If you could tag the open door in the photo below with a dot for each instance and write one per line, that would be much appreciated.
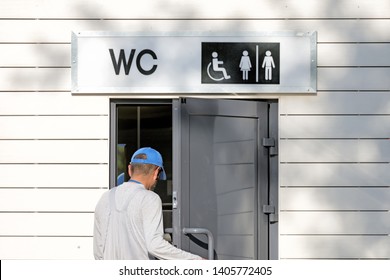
(221, 178)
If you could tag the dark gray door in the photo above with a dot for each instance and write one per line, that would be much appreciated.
(220, 180)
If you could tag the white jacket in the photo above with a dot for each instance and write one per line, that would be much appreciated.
(130, 227)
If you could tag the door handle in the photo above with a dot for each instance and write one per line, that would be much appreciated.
(210, 238)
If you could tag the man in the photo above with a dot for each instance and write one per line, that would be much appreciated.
(128, 218)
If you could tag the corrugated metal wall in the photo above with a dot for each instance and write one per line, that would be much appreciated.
(334, 146)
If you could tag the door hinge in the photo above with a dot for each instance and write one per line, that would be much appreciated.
(271, 211)
(271, 144)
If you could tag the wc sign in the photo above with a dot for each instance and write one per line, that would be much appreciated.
(187, 64)
(241, 63)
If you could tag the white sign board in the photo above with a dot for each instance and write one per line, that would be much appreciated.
(255, 63)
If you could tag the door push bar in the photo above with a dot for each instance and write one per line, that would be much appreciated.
(205, 231)
(209, 237)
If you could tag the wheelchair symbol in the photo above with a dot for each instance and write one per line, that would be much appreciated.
(216, 68)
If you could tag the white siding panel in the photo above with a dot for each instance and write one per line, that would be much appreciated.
(311, 175)
(353, 79)
(343, 247)
(54, 127)
(46, 224)
(35, 55)
(194, 9)
(54, 151)
(335, 127)
(59, 31)
(53, 176)
(314, 150)
(353, 55)
(336, 103)
(51, 103)
(57, 248)
(328, 199)
(35, 79)
(49, 200)
(335, 223)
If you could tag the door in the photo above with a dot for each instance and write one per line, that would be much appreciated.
(220, 177)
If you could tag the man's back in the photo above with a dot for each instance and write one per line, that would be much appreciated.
(128, 225)
(121, 212)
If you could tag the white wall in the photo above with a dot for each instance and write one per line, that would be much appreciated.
(334, 148)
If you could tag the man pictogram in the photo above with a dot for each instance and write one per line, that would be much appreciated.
(268, 63)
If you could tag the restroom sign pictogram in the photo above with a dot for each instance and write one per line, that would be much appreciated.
(240, 63)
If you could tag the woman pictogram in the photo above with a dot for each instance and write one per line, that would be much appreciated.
(245, 65)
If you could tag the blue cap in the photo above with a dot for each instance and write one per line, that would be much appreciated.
(152, 157)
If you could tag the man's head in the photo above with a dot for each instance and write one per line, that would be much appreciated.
(147, 163)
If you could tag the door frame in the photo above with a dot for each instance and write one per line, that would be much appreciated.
(273, 184)
(272, 170)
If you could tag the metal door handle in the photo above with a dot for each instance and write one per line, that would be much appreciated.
(209, 237)
(209, 234)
